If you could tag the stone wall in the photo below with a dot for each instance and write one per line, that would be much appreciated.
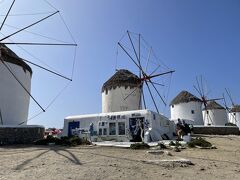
(217, 130)
(20, 135)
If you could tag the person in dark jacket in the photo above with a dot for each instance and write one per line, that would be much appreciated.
(186, 128)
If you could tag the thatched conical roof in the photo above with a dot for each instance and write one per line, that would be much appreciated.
(211, 105)
(9, 56)
(235, 108)
(184, 97)
(122, 78)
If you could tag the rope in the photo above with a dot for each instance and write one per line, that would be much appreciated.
(148, 58)
(74, 61)
(20, 83)
(73, 65)
(152, 60)
(154, 54)
(117, 51)
(28, 14)
(29, 26)
(141, 43)
(56, 97)
(148, 48)
(7, 14)
(30, 54)
(64, 22)
(159, 64)
(116, 63)
(49, 105)
(50, 5)
(32, 117)
(160, 61)
(37, 34)
(123, 36)
(131, 32)
(67, 28)
(70, 33)
(168, 92)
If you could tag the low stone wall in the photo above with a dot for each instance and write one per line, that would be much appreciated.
(20, 135)
(216, 130)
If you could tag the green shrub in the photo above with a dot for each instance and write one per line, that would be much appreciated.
(162, 146)
(139, 146)
(64, 141)
(177, 144)
(230, 124)
(41, 142)
(50, 137)
(172, 143)
(199, 142)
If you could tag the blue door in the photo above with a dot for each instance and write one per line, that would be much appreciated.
(72, 125)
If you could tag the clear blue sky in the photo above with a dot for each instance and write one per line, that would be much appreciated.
(194, 37)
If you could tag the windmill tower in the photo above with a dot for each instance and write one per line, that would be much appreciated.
(234, 115)
(14, 99)
(16, 72)
(119, 86)
(213, 113)
(233, 111)
(125, 90)
(186, 106)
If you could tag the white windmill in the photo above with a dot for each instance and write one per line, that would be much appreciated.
(16, 72)
(125, 90)
(213, 112)
(186, 106)
(233, 111)
(16, 75)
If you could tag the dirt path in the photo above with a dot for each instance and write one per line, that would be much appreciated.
(52, 162)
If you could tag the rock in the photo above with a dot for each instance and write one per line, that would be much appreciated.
(176, 149)
(162, 146)
(168, 153)
(156, 152)
(237, 170)
(183, 165)
(176, 161)
(213, 147)
(156, 148)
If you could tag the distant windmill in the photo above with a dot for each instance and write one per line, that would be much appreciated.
(234, 110)
(209, 105)
(146, 79)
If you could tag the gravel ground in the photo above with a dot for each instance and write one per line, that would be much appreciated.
(94, 162)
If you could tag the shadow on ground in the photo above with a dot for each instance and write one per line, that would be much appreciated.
(61, 151)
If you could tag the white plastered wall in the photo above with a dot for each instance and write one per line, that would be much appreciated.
(114, 100)
(215, 117)
(14, 100)
(234, 117)
(189, 111)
